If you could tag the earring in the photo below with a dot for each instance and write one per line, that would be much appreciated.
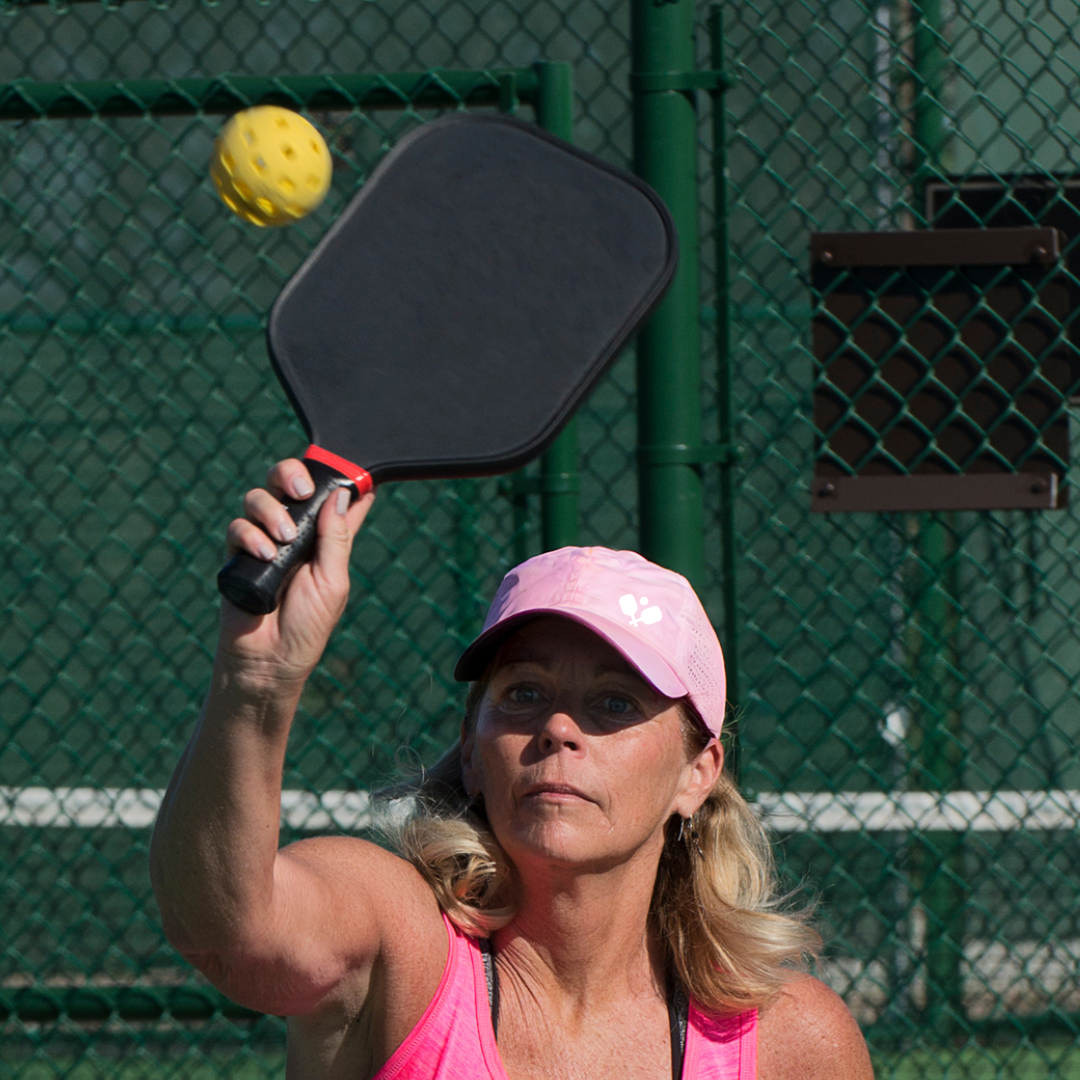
(693, 839)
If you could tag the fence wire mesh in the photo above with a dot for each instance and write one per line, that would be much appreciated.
(909, 681)
(896, 664)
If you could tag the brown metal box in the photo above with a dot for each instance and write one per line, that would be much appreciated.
(943, 370)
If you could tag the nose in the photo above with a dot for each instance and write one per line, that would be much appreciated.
(559, 732)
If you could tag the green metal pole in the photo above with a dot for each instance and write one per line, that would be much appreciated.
(466, 559)
(940, 863)
(724, 398)
(669, 348)
(929, 60)
(559, 479)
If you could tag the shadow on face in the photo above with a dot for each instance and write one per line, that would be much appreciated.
(576, 755)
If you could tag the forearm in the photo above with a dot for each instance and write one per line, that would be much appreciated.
(216, 838)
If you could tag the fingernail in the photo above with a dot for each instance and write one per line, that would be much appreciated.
(303, 488)
(287, 530)
(342, 501)
(266, 551)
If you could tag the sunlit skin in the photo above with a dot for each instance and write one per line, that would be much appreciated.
(580, 761)
(581, 765)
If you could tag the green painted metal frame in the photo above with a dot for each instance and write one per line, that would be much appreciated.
(937, 858)
(548, 87)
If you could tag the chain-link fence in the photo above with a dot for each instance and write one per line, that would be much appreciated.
(907, 683)
(911, 679)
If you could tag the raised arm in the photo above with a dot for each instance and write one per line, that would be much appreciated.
(277, 931)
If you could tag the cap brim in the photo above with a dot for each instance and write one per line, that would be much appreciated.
(651, 665)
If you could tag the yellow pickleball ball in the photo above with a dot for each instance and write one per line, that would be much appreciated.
(270, 166)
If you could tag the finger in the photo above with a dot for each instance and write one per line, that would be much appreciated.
(263, 509)
(290, 477)
(242, 535)
(337, 525)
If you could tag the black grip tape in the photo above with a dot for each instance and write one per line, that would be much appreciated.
(255, 585)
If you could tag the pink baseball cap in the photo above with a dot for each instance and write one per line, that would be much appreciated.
(652, 616)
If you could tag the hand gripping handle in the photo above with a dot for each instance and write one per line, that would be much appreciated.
(254, 585)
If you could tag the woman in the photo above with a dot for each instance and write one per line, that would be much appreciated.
(585, 894)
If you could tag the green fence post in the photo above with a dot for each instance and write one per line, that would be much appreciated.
(559, 479)
(939, 857)
(928, 68)
(668, 351)
(723, 394)
(466, 559)
(939, 864)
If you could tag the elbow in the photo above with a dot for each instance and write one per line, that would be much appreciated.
(202, 932)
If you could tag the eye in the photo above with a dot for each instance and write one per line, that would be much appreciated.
(524, 695)
(618, 705)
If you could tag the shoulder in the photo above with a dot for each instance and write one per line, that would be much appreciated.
(807, 1033)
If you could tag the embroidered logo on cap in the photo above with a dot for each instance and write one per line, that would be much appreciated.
(649, 615)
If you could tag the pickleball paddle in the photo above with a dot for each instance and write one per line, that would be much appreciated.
(456, 314)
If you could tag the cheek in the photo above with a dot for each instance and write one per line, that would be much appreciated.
(495, 761)
(642, 781)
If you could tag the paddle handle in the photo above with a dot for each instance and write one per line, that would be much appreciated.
(254, 585)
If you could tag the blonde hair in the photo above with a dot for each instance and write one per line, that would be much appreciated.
(715, 904)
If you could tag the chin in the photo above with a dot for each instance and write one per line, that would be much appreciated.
(561, 844)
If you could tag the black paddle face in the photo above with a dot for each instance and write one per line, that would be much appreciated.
(467, 300)
(456, 314)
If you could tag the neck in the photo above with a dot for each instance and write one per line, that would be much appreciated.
(585, 934)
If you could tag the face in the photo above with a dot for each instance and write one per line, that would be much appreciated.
(579, 760)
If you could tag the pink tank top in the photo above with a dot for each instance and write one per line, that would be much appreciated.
(454, 1041)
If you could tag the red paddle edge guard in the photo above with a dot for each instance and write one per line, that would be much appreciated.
(255, 585)
(359, 476)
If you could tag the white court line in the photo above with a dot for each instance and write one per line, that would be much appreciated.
(955, 811)
(350, 811)
(136, 808)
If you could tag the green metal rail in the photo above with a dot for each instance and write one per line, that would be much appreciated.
(26, 100)
(91, 1004)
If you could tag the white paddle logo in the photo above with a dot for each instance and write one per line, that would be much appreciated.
(629, 605)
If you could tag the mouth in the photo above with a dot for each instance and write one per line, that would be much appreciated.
(556, 793)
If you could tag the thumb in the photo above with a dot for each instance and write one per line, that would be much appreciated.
(335, 537)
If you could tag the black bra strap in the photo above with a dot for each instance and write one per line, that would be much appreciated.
(488, 956)
(679, 1019)
(678, 1007)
